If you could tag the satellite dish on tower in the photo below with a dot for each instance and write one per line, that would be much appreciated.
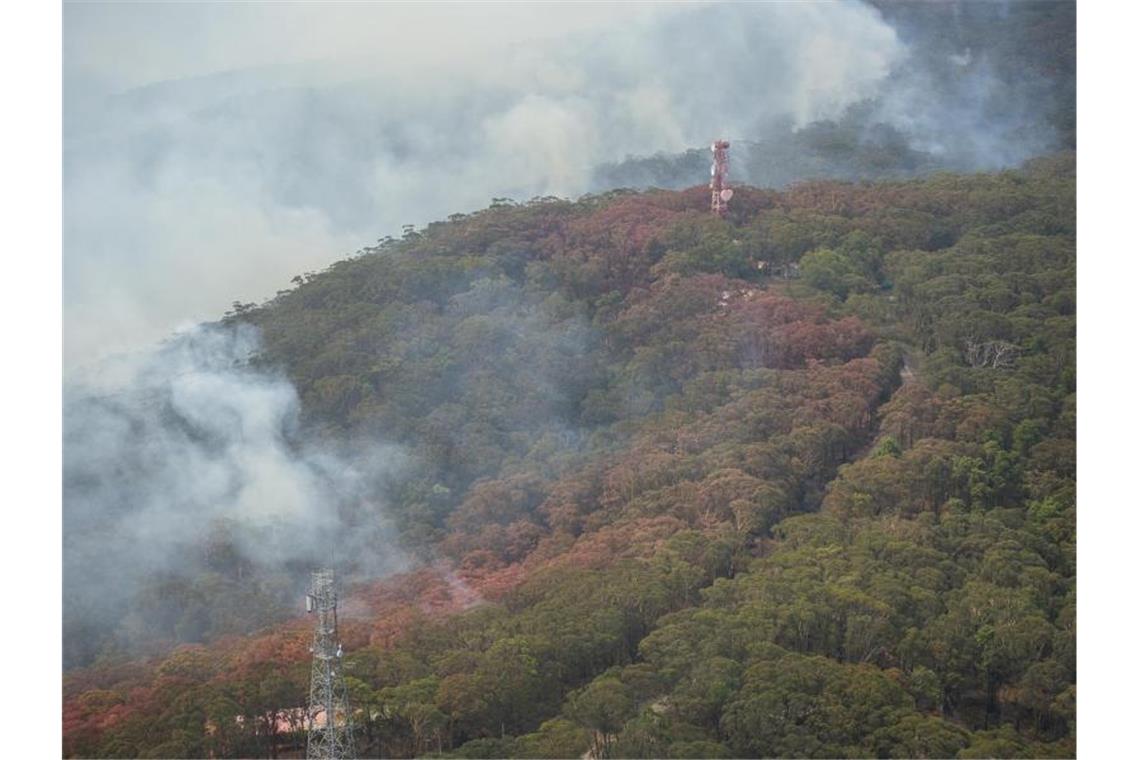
(726, 194)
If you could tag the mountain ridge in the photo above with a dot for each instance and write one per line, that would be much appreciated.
(654, 492)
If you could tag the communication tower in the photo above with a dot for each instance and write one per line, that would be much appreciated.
(721, 192)
(329, 719)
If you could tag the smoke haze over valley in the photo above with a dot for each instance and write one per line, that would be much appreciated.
(200, 170)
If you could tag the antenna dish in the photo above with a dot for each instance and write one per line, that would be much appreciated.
(712, 170)
(726, 194)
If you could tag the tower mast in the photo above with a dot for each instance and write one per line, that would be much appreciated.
(329, 718)
(721, 192)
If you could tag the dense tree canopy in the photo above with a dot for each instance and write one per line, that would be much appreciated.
(671, 502)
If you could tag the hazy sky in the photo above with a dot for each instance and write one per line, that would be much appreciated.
(130, 44)
(212, 151)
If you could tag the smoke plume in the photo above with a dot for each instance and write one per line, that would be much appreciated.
(187, 462)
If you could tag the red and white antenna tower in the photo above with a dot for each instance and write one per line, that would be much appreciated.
(721, 192)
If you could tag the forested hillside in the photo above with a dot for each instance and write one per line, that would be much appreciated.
(798, 482)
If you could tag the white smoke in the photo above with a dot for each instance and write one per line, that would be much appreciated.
(163, 447)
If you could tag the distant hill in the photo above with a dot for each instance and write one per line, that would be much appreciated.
(986, 85)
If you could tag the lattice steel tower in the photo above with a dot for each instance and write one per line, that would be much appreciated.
(721, 192)
(329, 719)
